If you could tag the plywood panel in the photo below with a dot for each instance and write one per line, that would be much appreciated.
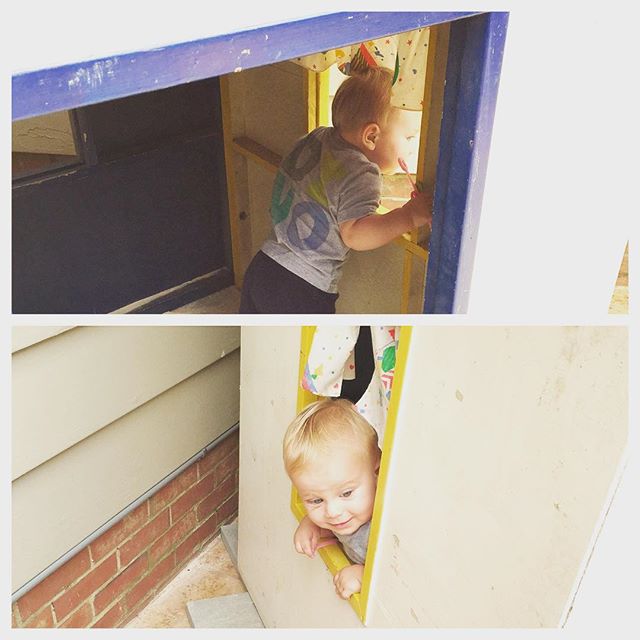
(65, 499)
(274, 109)
(507, 443)
(372, 281)
(289, 590)
(68, 387)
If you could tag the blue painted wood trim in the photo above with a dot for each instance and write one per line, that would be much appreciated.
(476, 47)
(87, 82)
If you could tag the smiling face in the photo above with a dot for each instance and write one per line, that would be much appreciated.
(338, 491)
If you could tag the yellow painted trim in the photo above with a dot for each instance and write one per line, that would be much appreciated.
(306, 340)
(255, 151)
(407, 270)
(412, 247)
(322, 99)
(404, 340)
(311, 99)
(407, 240)
(234, 230)
(332, 556)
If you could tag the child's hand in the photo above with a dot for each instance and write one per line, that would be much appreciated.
(348, 580)
(307, 537)
(420, 208)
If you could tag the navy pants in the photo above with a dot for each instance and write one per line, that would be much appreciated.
(270, 288)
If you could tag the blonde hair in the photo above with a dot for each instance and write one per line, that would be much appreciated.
(363, 98)
(317, 428)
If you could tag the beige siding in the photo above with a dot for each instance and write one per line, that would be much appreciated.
(23, 337)
(289, 590)
(87, 378)
(116, 409)
(508, 442)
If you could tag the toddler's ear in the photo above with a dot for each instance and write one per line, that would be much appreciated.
(370, 134)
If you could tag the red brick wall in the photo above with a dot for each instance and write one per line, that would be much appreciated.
(115, 576)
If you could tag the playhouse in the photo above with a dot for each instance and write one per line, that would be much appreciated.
(157, 166)
(501, 447)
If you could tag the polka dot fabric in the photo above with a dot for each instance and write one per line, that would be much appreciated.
(404, 53)
(331, 360)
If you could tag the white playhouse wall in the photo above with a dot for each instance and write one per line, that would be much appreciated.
(289, 590)
(507, 443)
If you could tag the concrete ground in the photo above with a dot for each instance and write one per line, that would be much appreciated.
(210, 574)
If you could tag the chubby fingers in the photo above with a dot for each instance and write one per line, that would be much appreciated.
(341, 588)
(307, 547)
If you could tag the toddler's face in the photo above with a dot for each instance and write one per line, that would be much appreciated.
(395, 141)
(338, 491)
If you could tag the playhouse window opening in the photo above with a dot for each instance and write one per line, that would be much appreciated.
(354, 389)
(376, 356)
(396, 189)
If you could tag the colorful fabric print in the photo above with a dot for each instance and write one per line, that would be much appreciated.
(405, 54)
(331, 360)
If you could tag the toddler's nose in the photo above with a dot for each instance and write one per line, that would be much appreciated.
(332, 510)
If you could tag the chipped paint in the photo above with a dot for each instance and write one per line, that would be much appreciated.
(94, 75)
(245, 52)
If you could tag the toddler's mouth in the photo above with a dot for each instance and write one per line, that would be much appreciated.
(341, 525)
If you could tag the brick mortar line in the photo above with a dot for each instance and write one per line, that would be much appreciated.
(50, 601)
(231, 432)
(176, 570)
(116, 550)
(81, 604)
(130, 614)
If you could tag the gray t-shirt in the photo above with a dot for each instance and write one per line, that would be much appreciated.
(323, 182)
(355, 544)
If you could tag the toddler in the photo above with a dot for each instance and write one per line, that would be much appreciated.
(332, 457)
(324, 200)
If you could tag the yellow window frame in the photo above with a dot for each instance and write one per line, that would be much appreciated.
(333, 557)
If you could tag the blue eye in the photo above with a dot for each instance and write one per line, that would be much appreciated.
(315, 501)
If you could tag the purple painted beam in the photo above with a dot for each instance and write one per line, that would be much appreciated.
(88, 82)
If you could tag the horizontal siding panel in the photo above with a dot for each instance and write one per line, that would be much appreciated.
(59, 503)
(23, 337)
(71, 386)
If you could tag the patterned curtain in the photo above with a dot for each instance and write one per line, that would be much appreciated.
(405, 54)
